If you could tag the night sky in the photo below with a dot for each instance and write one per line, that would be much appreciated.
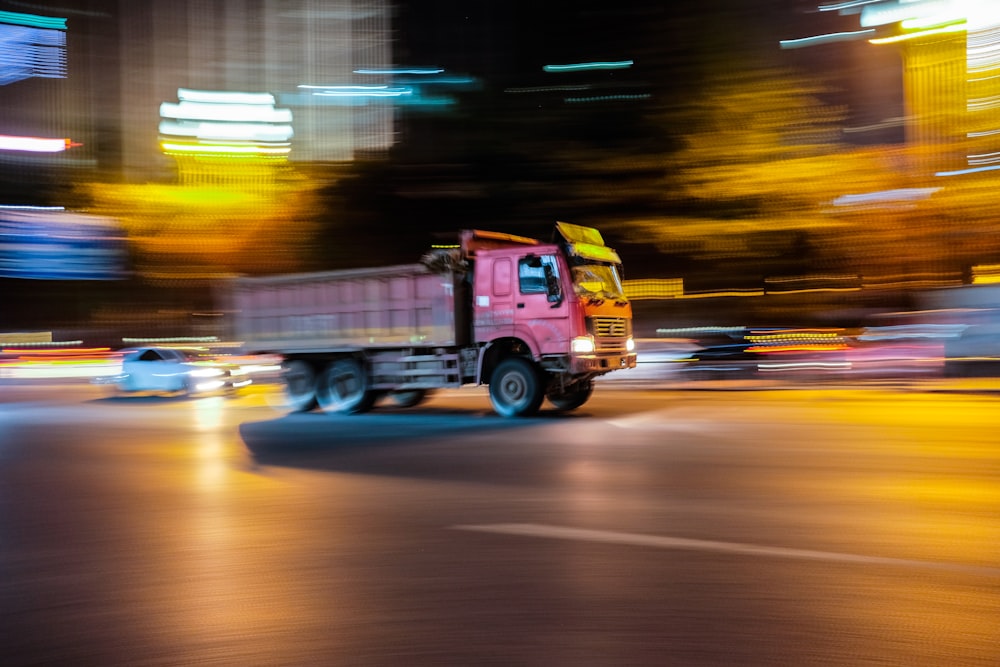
(484, 148)
(507, 43)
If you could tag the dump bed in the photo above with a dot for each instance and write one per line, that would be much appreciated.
(406, 305)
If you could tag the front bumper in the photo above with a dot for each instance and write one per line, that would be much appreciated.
(594, 364)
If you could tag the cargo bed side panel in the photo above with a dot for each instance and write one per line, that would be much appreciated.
(365, 308)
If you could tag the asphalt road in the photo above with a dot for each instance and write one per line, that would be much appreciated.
(654, 526)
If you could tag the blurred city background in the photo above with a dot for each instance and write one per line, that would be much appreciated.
(801, 468)
(778, 163)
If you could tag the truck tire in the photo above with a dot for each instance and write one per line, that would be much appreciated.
(408, 398)
(515, 388)
(576, 396)
(300, 385)
(342, 387)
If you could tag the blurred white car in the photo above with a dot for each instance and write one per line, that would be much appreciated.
(169, 370)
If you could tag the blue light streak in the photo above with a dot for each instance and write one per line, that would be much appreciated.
(33, 21)
(973, 170)
(577, 67)
(392, 71)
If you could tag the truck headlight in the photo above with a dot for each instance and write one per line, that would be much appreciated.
(630, 344)
(582, 345)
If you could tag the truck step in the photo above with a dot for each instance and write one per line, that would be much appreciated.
(411, 372)
(429, 357)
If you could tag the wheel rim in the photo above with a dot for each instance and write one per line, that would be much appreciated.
(342, 387)
(513, 388)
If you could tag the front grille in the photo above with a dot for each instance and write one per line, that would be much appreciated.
(610, 327)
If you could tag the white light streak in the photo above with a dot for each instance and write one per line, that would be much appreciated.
(220, 130)
(391, 71)
(224, 97)
(805, 365)
(846, 5)
(713, 546)
(358, 90)
(803, 42)
(985, 158)
(883, 14)
(901, 194)
(227, 112)
(32, 144)
(398, 92)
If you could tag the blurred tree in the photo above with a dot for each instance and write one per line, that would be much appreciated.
(187, 232)
(750, 192)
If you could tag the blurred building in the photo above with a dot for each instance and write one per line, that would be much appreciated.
(294, 50)
(49, 114)
(91, 76)
(950, 59)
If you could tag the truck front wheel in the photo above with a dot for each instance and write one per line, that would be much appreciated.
(574, 397)
(515, 388)
(300, 385)
(343, 387)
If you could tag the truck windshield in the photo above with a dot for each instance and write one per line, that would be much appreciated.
(598, 281)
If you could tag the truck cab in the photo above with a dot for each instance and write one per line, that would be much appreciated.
(550, 317)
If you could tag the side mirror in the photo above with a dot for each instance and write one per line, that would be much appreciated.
(552, 287)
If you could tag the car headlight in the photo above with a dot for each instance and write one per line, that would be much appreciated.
(209, 385)
(582, 345)
(206, 372)
(630, 344)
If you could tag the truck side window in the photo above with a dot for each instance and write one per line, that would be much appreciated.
(531, 273)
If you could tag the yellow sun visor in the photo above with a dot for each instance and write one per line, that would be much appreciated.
(587, 242)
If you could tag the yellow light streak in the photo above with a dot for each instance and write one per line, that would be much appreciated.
(708, 295)
(209, 148)
(921, 22)
(958, 27)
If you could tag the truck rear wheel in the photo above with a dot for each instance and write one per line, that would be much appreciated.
(300, 385)
(515, 388)
(576, 396)
(343, 387)
(408, 398)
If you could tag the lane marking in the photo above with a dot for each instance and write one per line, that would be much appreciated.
(663, 542)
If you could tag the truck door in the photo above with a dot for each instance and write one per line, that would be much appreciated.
(541, 309)
(493, 304)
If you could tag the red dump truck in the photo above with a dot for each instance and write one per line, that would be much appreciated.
(531, 319)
